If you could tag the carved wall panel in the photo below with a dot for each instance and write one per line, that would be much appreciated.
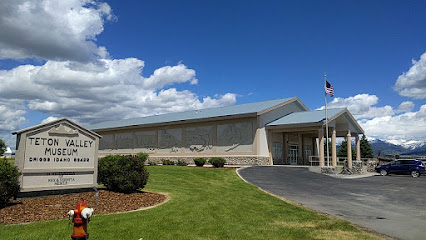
(145, 141)
(106, 142)
(235, 137)
(123, 140)
(170, 140)
(199, 139)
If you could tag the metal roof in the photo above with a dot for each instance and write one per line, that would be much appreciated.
(306, 117)
(248, 108)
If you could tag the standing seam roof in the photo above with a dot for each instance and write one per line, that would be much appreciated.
(192, 115)
(306, 117)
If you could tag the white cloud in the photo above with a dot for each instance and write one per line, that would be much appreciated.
(406, 106)
(413, 83)
(409, 125)
(49, 119)
(168, 75)
(11, 115)
(102, 90)
(362, 106)
(51, 29)
(385, 123)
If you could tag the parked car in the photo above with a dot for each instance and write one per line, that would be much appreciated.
(402, 166)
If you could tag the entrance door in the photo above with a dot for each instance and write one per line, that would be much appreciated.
(293, 154)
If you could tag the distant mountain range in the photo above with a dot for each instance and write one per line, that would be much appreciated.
(395, 147)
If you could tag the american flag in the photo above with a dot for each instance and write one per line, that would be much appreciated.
(329, 89)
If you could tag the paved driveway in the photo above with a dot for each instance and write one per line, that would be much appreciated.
(393, 205)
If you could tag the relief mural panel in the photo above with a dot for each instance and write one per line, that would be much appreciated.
(199, 139)
(123, 140)
(170, 140)
(145, 141)
(106, 142)
(235, 137)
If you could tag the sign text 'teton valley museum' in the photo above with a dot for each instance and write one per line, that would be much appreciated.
(57, 155)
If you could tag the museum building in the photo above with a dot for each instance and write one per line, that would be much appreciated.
(281, 131)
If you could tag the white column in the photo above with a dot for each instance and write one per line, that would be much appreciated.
(333, 149)
(321, 147)
(349, 145)
(358, 148)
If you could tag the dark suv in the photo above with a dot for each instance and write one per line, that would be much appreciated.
(402, 166)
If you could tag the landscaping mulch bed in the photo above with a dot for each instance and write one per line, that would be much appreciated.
(57, 207)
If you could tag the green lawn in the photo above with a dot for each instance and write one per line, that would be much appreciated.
(11, 161)
(204, 204)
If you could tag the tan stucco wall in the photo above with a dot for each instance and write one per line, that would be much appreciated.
(269, 117)
(235, 137)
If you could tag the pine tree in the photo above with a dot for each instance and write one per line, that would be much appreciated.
(2, 147)
(343, 150)
(366, 149)
(329, 148)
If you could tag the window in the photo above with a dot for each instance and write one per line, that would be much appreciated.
(277, 150)
(308, 151)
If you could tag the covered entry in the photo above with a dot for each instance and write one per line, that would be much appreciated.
(300, 136)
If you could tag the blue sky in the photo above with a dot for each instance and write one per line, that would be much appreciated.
(95, 61)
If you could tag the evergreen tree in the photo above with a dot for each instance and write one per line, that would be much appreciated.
(343, 150)
(2, 147)
(366, 149)
(325, 148)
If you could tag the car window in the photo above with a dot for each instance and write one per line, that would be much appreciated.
(395, 162)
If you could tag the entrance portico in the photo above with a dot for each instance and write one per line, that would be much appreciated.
(301, 135)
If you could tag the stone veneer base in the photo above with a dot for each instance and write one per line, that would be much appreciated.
(230, 160)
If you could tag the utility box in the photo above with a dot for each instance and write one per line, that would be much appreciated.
(59, 155)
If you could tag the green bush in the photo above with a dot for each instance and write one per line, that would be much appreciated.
(124, 174)
(217, 162)
(9, 182)
(199, 161)
(181, 163)
(167, 162)
(152, 163)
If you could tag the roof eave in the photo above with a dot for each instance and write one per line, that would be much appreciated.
(354, 121)
(294, 99)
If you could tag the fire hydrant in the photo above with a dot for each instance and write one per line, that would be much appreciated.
(80, 217)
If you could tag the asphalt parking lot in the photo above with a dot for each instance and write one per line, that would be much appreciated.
(393, 205)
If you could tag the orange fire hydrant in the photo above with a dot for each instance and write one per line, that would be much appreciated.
(80, 217)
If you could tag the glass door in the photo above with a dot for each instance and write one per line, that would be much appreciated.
(293, 154)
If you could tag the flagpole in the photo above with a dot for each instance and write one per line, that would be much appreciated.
(326, 120)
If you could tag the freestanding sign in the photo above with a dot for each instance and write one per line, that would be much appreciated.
(57, 155)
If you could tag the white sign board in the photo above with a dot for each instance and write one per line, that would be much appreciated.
(57, 155)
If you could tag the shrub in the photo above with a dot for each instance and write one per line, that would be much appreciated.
(181, 163)
(167, 162)
(217, 162)
(124, 174)
(9, 182)
(199, 161)
(152, 163)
